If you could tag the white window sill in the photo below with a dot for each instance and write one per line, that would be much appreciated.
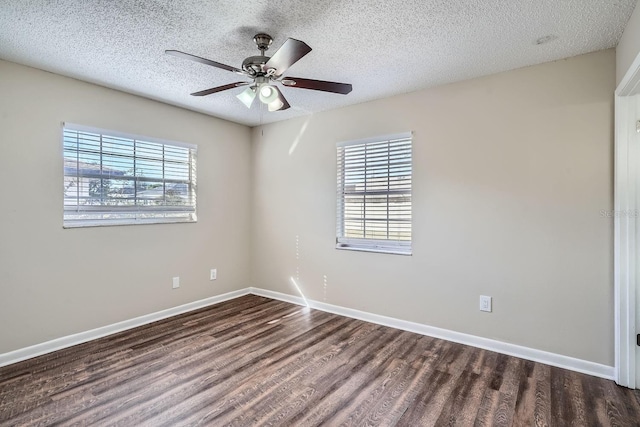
(379, 250)
(85, 224)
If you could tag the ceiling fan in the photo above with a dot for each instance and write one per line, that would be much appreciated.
(265, 71)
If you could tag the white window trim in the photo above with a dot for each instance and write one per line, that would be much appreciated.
(133, 209)
(394, 247)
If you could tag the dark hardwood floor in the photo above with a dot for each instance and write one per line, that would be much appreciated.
(255, 361)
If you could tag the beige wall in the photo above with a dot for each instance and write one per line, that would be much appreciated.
(629, 45)
(55, 282)
(511, 173)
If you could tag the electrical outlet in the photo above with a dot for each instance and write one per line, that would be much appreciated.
(213, 275)
(176, 282)
(485, 303)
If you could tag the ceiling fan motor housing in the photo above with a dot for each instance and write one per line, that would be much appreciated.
(254, 65)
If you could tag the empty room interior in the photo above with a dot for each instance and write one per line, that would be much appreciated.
(332, 213)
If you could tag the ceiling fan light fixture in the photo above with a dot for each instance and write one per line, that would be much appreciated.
(247, 96)
(275, 105)
(267, 94)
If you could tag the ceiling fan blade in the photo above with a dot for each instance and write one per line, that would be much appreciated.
(280, 103)
(342, 88)
(203, 61)
(219, 88)
(288, 54)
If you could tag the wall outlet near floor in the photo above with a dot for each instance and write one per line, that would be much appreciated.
(213, 275)
(176, 282)
(485, 303)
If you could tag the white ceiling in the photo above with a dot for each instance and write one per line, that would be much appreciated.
(382, 47)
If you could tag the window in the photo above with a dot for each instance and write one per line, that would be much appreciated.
(374, 195)
(111, 179)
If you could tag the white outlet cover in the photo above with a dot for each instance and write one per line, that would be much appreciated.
(214, 274)
(176, 282)
(485, 303)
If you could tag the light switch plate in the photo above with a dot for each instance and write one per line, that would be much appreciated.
(485, 303)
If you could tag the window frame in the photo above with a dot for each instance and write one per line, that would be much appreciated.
(139, 214)
(388, 246)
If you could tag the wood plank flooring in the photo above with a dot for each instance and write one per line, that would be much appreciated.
(254, 361)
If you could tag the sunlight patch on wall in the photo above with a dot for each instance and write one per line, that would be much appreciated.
(300, 134)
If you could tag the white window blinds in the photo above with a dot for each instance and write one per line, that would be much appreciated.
(111, 178)
(374, 194)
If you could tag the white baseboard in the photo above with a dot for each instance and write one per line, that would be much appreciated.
(79, 338)
(553, 359)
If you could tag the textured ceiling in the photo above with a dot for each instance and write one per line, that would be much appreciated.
(382, 47)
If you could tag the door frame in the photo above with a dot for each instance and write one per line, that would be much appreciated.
(627, 206)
